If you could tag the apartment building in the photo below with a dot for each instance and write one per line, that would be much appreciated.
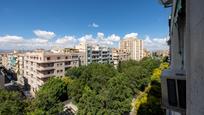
(119, 55)
(20, 68)
(4, 58)
(39, 66)
(71, 50)
(183, 83)
(95, 53)
(12, 61)
(134, 46)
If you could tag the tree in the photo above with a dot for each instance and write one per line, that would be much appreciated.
(153, 104)
(89, 102)
(75, 72)
(138, 77)
(118, 96)
(96, 75)
(11, 102)
(101, 89)
(126, 64)
(49, 97)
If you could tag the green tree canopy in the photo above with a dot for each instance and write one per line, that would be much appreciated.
(11, 102)
(48, 98)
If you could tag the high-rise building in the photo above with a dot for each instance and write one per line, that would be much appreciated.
(39, 66)
(95, 53)
(134, 46)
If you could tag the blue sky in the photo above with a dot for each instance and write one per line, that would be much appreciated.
(78, 18)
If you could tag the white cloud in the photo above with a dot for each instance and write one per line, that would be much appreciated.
(134, 35)
(66, 41)
(39, 41)
(94, 25)
(100, 39)
(11, 39)
(88, 39)
(100, 35)
(114, 38)
(18, 42)
(44, 34)
(44, 41)
(156, 43)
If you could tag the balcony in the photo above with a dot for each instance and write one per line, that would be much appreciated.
(173, 84)
(42, 76)
(40, 68)
(70, 65)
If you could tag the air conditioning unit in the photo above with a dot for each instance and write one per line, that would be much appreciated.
(173, 84)
(167, 3)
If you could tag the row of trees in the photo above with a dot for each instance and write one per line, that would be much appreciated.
(149, 102)
(102, 89)
(95, 89)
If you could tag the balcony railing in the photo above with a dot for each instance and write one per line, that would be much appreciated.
(40, 75)
(173, 84)
(41, 68)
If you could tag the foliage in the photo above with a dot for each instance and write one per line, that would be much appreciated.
(138, 72)
(152, 95)
(75, 72)
(48, 98)
(10, 102)
(119, 95)
(101, 89)
(96, 89)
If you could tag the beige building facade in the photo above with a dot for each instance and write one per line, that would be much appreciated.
(134, 46)
(39, 66)
(4, 59)
(120, 55)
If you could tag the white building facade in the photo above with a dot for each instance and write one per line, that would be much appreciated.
(134, 46)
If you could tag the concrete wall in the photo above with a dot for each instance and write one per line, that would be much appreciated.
(195, 57)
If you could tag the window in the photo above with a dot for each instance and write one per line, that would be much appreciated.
(171, 85)
(58, 58)
(182, 93)
(67, 63)
(48, 58)
(66, 57)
